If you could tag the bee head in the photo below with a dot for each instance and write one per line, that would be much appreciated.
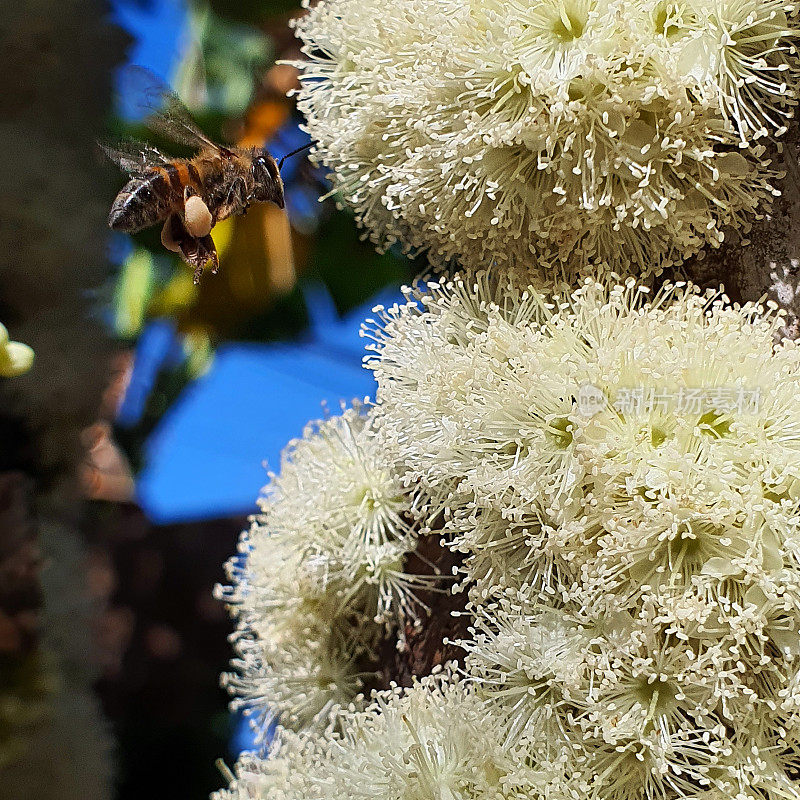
(267, 183)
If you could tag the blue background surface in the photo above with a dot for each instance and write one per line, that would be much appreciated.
(207, 456)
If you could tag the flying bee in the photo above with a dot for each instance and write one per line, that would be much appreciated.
(188, 195)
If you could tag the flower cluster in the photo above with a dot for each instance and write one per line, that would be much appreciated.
(478, 396)
(633, 575)
(432, 741)
(321, 575)
(625, 132)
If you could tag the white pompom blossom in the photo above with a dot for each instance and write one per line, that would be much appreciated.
(625, 132)
(322, 575)
(623, 475)
(431, 742)
(693, 427)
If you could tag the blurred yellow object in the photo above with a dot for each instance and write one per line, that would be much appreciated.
(179, 294)
(257, 263)
(255, 252)
(16, 358)
(199, 352)
(133, 292)
(261, 258)
(222, 235)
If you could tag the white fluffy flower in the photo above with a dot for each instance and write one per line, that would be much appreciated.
(344, 513)
(434, 741)
(689, 463)
(321, 575)
(551, 132)
(622, 472)
(272, 775)
(644, 713)
(300, 656)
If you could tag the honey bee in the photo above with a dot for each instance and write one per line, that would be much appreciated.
(188, 195)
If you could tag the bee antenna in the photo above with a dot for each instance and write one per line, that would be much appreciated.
(294, 153)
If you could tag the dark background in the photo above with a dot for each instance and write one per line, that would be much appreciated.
(111, 643)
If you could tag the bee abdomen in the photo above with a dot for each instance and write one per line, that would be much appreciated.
(145, 200)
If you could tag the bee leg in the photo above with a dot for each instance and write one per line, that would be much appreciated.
(172, 233)
(191, 252)
(210, 253)
(175, 237)
(200, 253)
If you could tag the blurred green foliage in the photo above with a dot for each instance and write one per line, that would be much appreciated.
(253, 11)
(223, 61)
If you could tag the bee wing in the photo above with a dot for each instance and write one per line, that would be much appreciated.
(133, 156)
(164, 112)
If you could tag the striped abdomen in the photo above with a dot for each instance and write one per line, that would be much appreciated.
(150, 198)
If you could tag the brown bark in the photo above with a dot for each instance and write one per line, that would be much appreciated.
(426, 643)
(769, 265)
